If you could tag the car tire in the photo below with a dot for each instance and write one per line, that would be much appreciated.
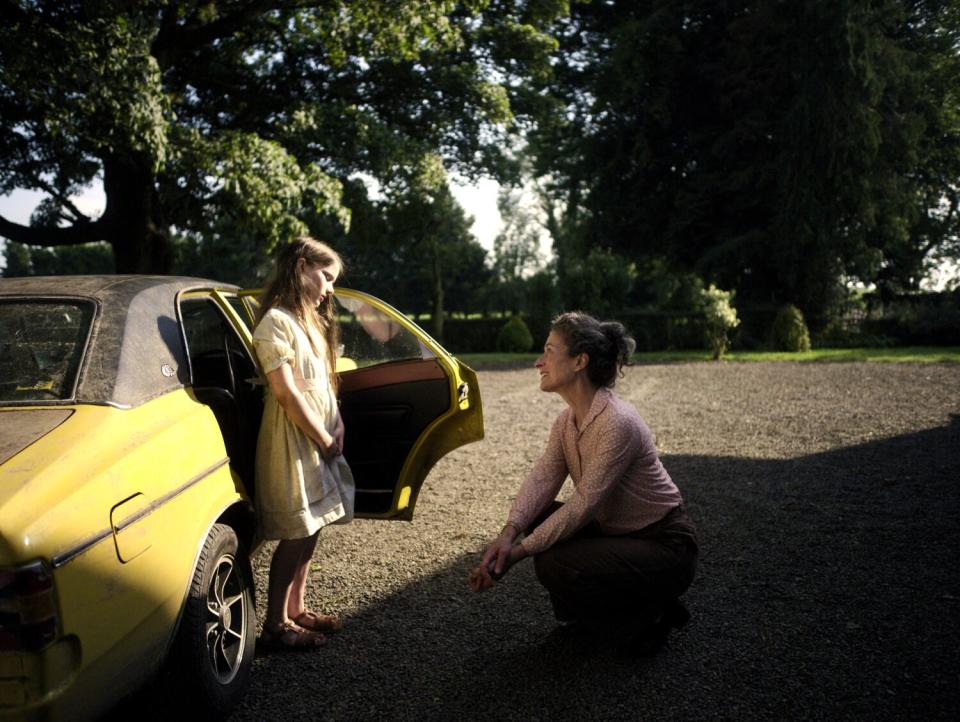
(209, 666)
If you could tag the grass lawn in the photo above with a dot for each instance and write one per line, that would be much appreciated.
(907, 354)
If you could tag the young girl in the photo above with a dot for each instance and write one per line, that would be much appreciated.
(302, 480)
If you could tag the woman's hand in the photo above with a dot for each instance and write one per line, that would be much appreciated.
(497, 560)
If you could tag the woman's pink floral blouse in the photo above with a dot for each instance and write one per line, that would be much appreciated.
(618, 478)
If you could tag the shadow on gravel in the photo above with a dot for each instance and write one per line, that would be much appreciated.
(827, 589)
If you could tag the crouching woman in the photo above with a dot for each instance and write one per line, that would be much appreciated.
(620, 552)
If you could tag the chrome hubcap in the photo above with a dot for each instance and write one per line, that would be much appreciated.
(226, 620)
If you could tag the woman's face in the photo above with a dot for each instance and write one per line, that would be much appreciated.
(557, 367)
(318, 280)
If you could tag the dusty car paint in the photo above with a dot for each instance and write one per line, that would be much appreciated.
(111, 492)
(121, 545)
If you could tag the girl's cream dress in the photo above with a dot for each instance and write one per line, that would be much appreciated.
(296, 491)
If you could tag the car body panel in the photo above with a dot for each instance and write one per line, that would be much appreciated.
(122, 545)
(114, 487)
(21, 427)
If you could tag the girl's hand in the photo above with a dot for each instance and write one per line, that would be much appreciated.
(329, 448)
(338, 433)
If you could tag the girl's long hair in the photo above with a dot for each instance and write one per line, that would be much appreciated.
(286, 289)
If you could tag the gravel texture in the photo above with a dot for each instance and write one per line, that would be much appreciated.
(827, 502)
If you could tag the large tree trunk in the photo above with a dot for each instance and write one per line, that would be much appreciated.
(140, 239)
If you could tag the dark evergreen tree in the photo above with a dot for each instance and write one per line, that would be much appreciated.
(776, 148)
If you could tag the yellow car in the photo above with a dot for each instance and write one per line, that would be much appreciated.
(129, 411)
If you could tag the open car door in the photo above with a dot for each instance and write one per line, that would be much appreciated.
(405, 403)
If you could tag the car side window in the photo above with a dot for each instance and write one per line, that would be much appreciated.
(369, 337)
(217, 356)
(241, 308)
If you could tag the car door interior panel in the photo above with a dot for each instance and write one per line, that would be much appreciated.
(385, 409)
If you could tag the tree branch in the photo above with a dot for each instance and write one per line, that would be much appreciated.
(174, 42)
(74, 235)
(65, 201)
(12, 11)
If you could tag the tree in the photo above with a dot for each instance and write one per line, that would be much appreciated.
(92, 258)
(439, 251)
(246, 116)
(414, 247)
(516, 249)
(775, 148)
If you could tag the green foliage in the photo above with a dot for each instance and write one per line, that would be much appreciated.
(244, 184)
(778, 148)
(916, 319)
(414, 249)
(913, 354)
(789, 332)
(222, 256)
(599, 284)
(234, 120)
(542, 303)
(516, 251)
(89, 259)
(514, 336)
(721, 318)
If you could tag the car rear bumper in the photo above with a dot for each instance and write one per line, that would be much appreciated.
(31, 683)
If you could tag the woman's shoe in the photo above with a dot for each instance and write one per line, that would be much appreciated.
(651, 638)
(676, 614)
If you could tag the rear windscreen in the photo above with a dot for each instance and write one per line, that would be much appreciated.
(41, 347)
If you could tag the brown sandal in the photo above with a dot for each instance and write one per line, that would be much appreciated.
(319, 622)
(289, 635)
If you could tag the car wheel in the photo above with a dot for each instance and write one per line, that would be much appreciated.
(213, 653)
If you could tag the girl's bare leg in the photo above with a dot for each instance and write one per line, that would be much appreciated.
(298, 587)
(287, 577)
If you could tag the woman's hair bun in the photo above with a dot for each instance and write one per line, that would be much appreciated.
(606, 343)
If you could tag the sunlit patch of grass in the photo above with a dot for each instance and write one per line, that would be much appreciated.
(907, 354)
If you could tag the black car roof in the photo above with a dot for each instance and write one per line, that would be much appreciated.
(136, 350)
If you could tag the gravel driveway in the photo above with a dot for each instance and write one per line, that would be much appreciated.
(827, 501)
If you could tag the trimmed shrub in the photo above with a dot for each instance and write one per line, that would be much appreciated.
(514, 337)
(789, 332)
(720, 318)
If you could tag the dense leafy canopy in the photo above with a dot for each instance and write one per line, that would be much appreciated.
(774, 147)
(244, 117)
(778, 149)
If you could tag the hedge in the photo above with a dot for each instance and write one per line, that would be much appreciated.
(653, 331)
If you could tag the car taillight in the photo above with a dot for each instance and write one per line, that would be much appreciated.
(28, 610)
